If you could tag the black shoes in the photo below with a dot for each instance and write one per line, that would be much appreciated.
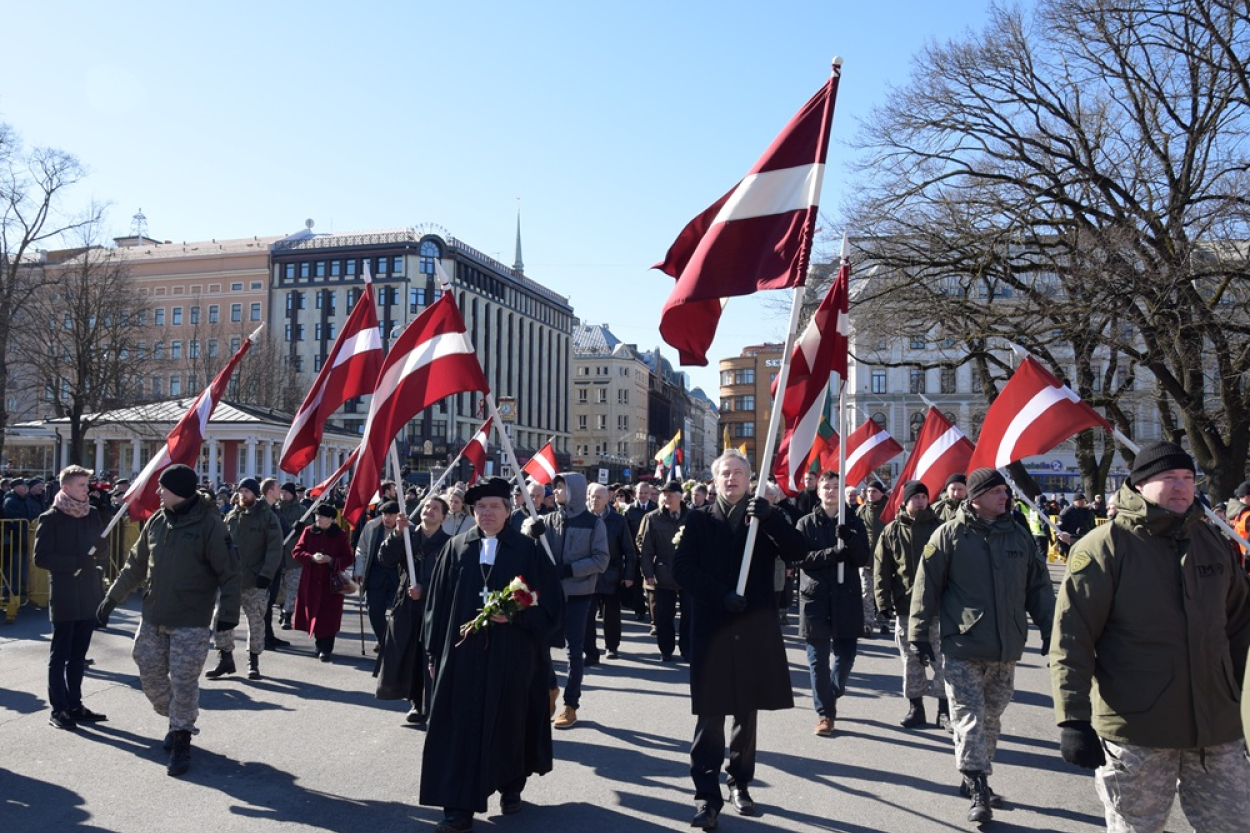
(995, 800)
(591, 661)
(415, 716)
(455, 824)
(944, 716)
(915, 716)
(510, 804)
(286, 622)
(979, 791)
(82, 714)
(613, 655)
(62, 720)
(705, 819)
(273, 643)
(253, 666)
(741, 800)
(225, 665)
(180, 753)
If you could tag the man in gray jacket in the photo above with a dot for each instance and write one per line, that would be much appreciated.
(579, 542)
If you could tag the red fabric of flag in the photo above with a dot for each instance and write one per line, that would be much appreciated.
(350, 370)
(182, 444)
(543, 466)
(477, 449)
(432, 359)
(941, 450)
(1032, 414)
(317, 490)
(868, 447)
(757, 236)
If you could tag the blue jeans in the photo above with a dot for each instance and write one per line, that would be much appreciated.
(828, 685)
(576, 608)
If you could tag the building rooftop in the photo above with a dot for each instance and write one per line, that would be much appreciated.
(594, 340)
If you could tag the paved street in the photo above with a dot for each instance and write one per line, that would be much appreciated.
(309, 748)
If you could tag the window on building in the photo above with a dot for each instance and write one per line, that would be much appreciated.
(583, 395)
(175, 385)
(603, 395)
(177, 316)
(336, 268)
(158, 385)
(947, 380)
(256, 311)
(744, 429)
(288, 271)
(622, 396)
(726, 377)
(581, 422)
(175, 349)
(745, 376)
(318, 360)
(746, 403)
(915, 380)
(214, 313)
(602, 422)
(878, 381)
(158, 351)
(916, 343)
(622, 422)
(195, 314)
(236, 312)
(235, 343)
(319, 269)
(193, 349)
(305, 270)
(977, 386)
(1097, 371)
(915, 424)
(212, 348)
(236, 287)
(158, 316)
(350, 266)
(978, 417)
(397, 266)
(879, 418)
(416, 299)
(429, 253)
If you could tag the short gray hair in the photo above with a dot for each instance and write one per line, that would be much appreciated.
(726, 456)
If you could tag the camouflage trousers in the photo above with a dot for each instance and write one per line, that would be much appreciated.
(290, 586)
(870, 604)
(979, 693)
(1138, 785)
(915, 681)
(252, 604)
(170, 662)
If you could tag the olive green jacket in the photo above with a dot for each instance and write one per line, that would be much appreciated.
(258, 535)
(1152, 630)
(979, 578)
(183, 558)
(897, 558)
(870, 514)
(945, 508)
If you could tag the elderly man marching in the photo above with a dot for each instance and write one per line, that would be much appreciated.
(1149, 650)
(738, 660)
(978, 576)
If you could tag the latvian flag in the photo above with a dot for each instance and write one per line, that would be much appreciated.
(477, 449)
(941, 450)
(543, 466)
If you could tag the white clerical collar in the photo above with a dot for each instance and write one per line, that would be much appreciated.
(489, 545)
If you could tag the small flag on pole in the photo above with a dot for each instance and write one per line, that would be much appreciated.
(543, 466)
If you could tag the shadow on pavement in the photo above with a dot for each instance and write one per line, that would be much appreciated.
(29, 804)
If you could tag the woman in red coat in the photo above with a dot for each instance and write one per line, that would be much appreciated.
(324, 552)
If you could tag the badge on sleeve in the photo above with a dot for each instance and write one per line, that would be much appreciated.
(1078, 561)
(929, 550)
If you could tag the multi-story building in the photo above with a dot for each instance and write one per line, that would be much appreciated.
(703, 436)
(745, 399)
(521, 330)
(610, 402)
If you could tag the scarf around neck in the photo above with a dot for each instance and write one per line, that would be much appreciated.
(71, 506)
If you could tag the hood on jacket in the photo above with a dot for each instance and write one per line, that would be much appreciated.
(575, 486)
(1131, 509)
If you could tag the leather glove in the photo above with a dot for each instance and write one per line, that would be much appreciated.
(223, 625)
(566, 571)
(262, 583)
(86, 561)
(537, 528)
(845, 533)
(759, 508)
(105, 610)
(925, 651)
(1079, 744)
(735, 603)
(1045, 646)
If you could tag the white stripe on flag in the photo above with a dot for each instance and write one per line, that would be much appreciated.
(773, 192)
(1041, 402)
(865, 447)
(801, 440)
(421, 355)
(545, 464)
(934, 452)
(364, 341)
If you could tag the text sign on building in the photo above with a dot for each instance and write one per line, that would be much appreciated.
(603, 476)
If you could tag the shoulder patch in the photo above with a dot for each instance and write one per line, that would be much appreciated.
(1078, 561)
(929, 550)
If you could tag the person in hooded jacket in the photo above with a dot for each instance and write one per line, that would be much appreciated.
(579, 543)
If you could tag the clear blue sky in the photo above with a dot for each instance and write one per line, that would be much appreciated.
(614, 123)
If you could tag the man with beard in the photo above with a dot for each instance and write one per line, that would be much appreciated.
(257, 535)
(489, 724)
(738, 659)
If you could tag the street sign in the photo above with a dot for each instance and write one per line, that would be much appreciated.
(603, 476)
(626, 473)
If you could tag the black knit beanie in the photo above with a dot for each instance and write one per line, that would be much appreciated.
(180, 480)
(1158, 457)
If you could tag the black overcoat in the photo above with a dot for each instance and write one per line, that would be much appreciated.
(489, 720)
(827, 609)
(61, 546)
(401, 660)
(738, 660)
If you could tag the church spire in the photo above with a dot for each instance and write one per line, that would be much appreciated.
(519, 265)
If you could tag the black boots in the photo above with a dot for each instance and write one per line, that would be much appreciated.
(180, 753)
(225, 665)
(915, 716)
(944, 715)
(253, 666)
(976, 788)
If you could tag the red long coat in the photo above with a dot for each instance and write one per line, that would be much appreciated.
(319, 607)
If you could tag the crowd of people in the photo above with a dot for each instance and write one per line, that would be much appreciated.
(1147, 638)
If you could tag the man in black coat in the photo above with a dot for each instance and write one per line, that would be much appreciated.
(489, 719)
(738, 660)
(622, 562)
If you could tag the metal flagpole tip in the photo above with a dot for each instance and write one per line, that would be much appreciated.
(256, 333)
(837, 65)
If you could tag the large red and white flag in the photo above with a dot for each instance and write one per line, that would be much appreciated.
(1032, 414)
(328, 483)
(819, 351)
(182, 444)
(477, 449)
(941, 450)
(350, 370)
(758, 236)
(543, 466)
(431, 359)
(868, 447)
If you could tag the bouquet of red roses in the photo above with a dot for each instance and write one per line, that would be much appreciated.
(508, 602)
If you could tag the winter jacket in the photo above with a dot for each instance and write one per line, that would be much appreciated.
(870, 514)
(1152, 630)
(371, 538)
(578, 539)
(291, 512)
(897, 558)
(945, 508)
(61, 546)
(978, 578)
(829, 609)
(182, 556)
(656, 547)
(258, 535)
(622, 553)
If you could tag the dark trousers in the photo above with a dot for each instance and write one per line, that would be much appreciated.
(379, 596)
(325, 646)
(708, 750)
(668, 634)
(610, 604)
(70, 641)
(829, 684)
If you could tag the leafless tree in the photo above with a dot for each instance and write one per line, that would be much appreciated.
(33, 182)
(1075, 180)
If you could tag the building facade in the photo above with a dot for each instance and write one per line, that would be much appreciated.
(610, 406)
(745, 397)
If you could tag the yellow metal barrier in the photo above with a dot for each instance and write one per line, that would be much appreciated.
(16, 542)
